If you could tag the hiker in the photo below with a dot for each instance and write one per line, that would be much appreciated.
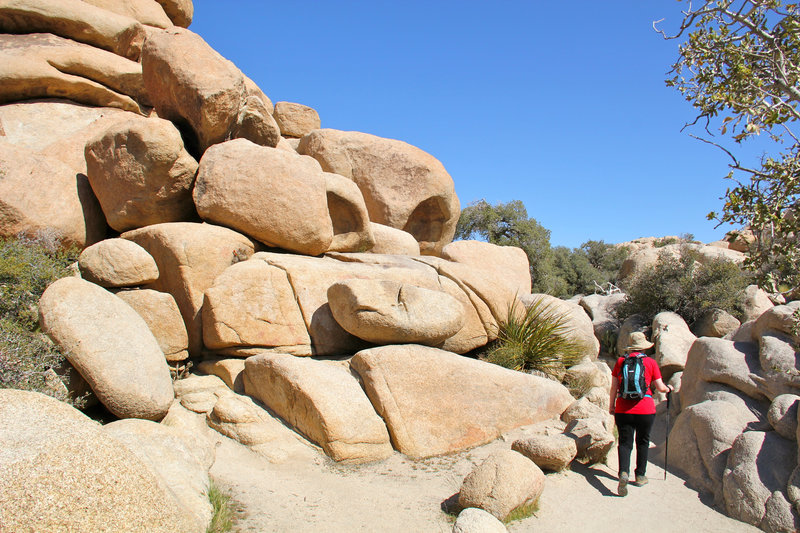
(633, 407)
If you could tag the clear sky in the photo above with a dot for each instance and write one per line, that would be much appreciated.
(559, 104)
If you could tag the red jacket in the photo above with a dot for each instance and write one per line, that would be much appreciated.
(645, 406)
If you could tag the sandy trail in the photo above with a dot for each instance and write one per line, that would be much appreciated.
(400, 495)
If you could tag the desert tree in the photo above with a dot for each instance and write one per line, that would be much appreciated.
(739, 66)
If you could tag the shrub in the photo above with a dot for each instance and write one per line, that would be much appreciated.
(27, 357)
(535, 340)
(686, 287)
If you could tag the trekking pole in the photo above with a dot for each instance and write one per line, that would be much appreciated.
(666, 440)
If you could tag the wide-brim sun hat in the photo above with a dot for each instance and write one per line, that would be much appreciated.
(638, 341)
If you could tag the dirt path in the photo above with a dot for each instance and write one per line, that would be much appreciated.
(400, 495)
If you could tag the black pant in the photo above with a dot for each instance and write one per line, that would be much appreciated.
(627, 425)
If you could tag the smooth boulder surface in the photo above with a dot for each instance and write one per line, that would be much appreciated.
(391, 312)
(42, 65)
(148, 12)
(295, 120)
(162, 316)
(393, 241)
(403, 187)
(170, 453)
(673, 339)
(549, 452)
(504, 481)
(180, 12)
(756, 478)
(783, 415)
(459, 404)
(601, 309)
(322, 401)
(59, 471)
(228, 370)
(715, 323)
(41, 193)
(755, 302)
(141, 174)
(189, 257)
(474, 520)
(76, 20)
(266, 193)
(510, 260)
(252, 304)
(352, 230)
(110, 345)
(190, 83)
(117, 263)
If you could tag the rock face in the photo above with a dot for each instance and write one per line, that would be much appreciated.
(254, 189)
(253, 304)
(76, 20)
(42, 65)
(504, 481)
(645, 258)
(117, 263)
(39, 193)
(295, 120)
(393, 241)
(323, 402)
(510, 260)
(148, 12)
(169, 453)
(110, 345)
(141, 174)
(715, 323)
(390, 312)
(193, 86)
(162, 316)
(673, 339)
(189, 257)
(473, 402)
(549, 452)
(179, 11)
(403, 187)
(474, 520)
(60, 471)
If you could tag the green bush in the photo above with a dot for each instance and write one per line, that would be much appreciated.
(27, 357)
(581, 270)
(224, 515)
(686, 287)
(536, 339)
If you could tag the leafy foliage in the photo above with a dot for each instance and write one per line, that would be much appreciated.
(740, 66)
(686, 287)
(27, 357)
(581, 270)
(536, 339)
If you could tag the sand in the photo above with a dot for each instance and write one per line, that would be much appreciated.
(401, 495)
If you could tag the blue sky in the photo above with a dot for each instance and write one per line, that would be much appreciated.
(559, 104)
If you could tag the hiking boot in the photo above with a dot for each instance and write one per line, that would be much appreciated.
(641, 481)
(622, 488)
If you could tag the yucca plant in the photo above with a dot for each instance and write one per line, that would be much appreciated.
(536, 339)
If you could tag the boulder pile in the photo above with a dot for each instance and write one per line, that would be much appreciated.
(309, 276)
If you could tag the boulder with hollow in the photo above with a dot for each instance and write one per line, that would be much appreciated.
(403, 187)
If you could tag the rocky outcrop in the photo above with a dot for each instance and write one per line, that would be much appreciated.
(403, 187)
(141, 174)
(391, 312)
(510, 260)
(110, 345)
(295, 120)
(472, 403)
(393, 241)
(117, 263)
(322, 401)
(192, 85)
(254, 189)
(148, 12)
(61, 471)
(645, 258)
(180, 12)
(504, 481)
(673, 339)
(42, 65)
(715, 323)
(76, 20)
(549, 452)
(162, 316)
(189, 257)
(179, 459)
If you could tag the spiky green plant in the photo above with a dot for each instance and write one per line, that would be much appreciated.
(536, 339)
(224, 515)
